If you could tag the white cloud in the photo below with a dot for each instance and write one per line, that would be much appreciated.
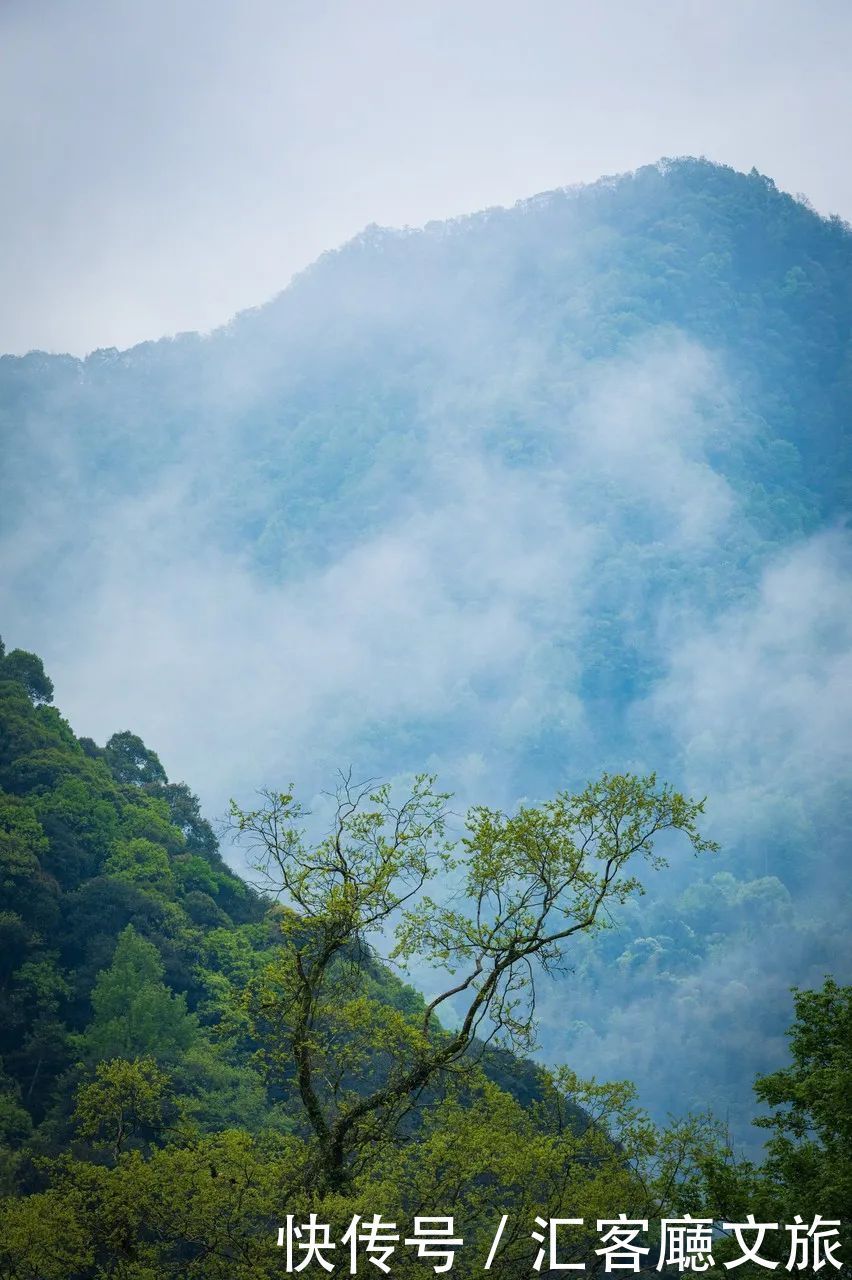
(760, 699)
(462, 621)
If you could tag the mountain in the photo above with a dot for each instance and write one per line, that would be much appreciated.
(519, 497)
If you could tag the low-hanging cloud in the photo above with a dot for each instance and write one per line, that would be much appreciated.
(456, 629)
(759, 700)
(465, 614)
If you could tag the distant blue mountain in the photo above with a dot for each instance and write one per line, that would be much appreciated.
(518, 496)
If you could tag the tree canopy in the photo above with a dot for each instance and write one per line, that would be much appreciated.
(186, 1060)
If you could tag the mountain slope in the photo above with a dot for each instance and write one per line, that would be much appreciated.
(521, 496)
(123, 934)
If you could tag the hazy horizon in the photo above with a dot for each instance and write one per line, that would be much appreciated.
(408, 228)
(167, 169)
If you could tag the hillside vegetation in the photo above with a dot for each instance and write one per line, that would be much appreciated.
(160, 1083)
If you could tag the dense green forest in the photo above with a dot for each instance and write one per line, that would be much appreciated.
(186, 1059)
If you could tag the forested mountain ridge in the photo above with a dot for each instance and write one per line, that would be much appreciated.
(525, 495)
(352, 348)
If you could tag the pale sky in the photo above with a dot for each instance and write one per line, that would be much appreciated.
(167, 164)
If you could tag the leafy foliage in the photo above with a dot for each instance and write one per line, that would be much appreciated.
(162, 1056)
(172, 1084)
